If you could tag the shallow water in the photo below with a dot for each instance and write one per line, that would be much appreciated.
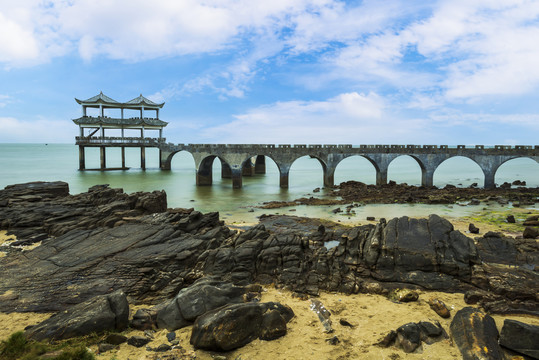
(21, 163)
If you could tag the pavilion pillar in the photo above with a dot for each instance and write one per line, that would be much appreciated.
(143, 158)
(102, 151)
(260, 164)
(82, 159)
(123, 156)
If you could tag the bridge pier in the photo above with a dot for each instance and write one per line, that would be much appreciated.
(427, 177)
(329, 177)
(260, 164)
(381, 177)
(237, 181)
(226, 171)
(248, 168)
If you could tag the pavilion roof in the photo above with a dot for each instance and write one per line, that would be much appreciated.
(92, 120)
(99, 99)
(141, 100)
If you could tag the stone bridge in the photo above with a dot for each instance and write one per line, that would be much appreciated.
(237, 159)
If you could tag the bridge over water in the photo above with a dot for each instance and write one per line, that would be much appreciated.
(238, 160)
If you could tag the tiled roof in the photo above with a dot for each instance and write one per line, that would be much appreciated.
(100, 98)
(143, 100)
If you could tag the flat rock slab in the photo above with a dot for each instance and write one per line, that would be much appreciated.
(520, 337)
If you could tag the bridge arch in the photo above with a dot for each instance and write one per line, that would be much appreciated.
(402, 165)
(512, 169)
(327, 177)
(446, 172)
(205, 169)
(358, 162)
(182, 154)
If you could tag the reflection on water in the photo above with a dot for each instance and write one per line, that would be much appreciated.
(32, 162)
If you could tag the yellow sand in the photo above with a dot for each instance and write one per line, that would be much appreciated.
(372, 315)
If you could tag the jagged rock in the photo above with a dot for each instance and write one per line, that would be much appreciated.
(105, 312)
(199, 298)
(510, 219)
(138, 341)
(236, 325)
(475, 334)
(144, 319)
(410, 336)
(115, 339)
(439, 307)
(104, 347)
(520, 337)
(530, 233)
(473, 229)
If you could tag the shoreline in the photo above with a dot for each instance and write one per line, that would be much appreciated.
(370, 311)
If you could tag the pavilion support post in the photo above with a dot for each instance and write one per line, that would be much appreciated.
(123, 157)
(82, 158)
(143, 158)
(103, 157)
(260, 164)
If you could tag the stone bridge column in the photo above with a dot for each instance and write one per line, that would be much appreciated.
(490, 164)
(226, 171)
(381, 164)
(237, 181)
(428, 164)
(248, 168)
(284, 170)
(260, 164)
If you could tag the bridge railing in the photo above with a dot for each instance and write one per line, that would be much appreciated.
(110, 140)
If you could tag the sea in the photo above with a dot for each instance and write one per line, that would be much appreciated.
(20, 163)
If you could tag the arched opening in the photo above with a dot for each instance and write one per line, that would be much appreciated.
(306, 173)
(260, 173)
(459, 171)
(405, 169)
(209, 171)
(522, 169)
(356, 168)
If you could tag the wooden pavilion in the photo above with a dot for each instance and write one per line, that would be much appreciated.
(93, 127)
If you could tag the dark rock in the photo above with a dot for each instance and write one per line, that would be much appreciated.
(410, 336)
(199, 298)
(337, 210)
(115, 339)
(474, 202)
(520, 337)
(104, 312)
(333, 341)
(144, 319)
(530, 233)
(370, 218)
(236, 325)
(510, 219)
(439, 307)
(475, 334)
(171, 336)
(138, 341)
(161, 348)
(104, 347)
(344, 322)
(473, 229)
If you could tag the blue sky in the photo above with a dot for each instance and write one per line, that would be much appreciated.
(281, 71)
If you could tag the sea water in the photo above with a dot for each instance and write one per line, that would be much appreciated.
(21, 163)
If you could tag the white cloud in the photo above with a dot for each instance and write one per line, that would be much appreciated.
(37, 131)
(347, 118)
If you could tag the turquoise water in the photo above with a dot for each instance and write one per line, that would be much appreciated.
(21, 163)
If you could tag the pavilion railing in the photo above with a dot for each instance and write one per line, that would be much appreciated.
(109, 140)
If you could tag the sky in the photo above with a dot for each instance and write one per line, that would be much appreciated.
(281, 71)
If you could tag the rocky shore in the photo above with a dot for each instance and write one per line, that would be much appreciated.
(97, 253)
(393, 193)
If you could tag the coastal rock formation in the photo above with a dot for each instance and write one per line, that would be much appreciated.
(236, 325)
(409, 337)
(475, 334)
(520, 337)
(101, 313)
(105, 240)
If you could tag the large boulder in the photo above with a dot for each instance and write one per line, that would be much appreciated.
(520, 337)
(236, 325)
(475, 334)
(195, 300)
(104, 312)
